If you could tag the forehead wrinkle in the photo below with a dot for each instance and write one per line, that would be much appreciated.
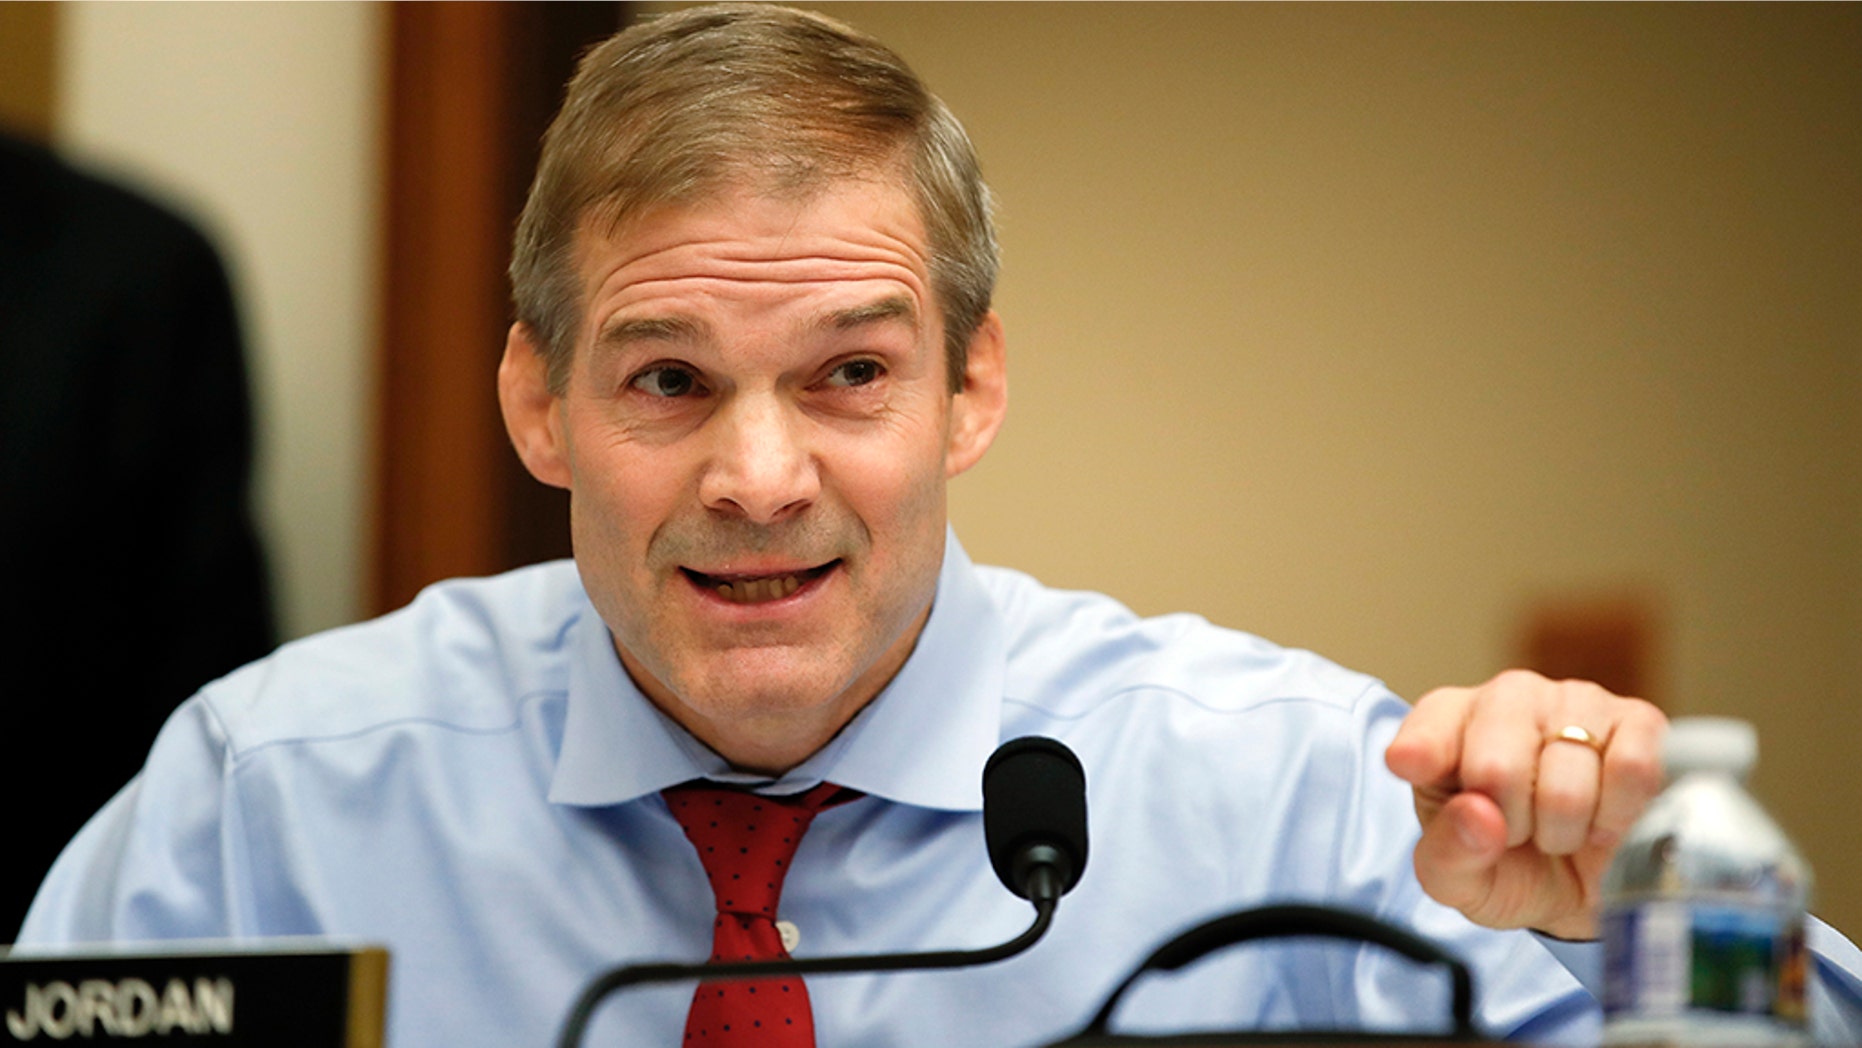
(732, 253)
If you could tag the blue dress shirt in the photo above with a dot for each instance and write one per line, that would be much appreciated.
(474, 781)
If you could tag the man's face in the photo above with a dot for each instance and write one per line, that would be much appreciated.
(757, 432)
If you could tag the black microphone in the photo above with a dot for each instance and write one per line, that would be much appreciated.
(1034, 817)
(1034, 825)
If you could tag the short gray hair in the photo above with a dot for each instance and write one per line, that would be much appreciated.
(688, 104)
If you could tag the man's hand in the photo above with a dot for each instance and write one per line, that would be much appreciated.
(1519, 823)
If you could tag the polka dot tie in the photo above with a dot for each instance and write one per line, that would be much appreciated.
(746, 841)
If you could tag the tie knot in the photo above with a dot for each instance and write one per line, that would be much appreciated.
(745, 840)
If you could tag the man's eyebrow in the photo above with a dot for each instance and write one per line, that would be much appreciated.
(648, 329)
(896, 307)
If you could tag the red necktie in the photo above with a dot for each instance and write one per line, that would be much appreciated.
(746, 841)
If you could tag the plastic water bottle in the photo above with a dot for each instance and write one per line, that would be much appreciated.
(1703, 911)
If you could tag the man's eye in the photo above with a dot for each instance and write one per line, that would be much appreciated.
(665, 382)
(855, 373)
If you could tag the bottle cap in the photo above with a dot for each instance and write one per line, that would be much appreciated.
(1725, 744)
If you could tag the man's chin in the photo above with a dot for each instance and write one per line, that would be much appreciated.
(784, 697)
(765, 689)
(763, 725)
(762, 700)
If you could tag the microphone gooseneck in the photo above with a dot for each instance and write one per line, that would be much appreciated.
(1034, 825)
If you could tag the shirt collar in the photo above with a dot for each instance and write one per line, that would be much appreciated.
(922, 741)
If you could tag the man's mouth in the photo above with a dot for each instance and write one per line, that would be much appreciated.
(757, 589)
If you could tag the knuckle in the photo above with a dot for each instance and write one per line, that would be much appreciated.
(1513, 680)
(1491, 774)
(1554, 842)
(1588, 693)
(1430, 697)
(1646, 713)
(1564, 802)
(1440, 697)
(1640, 772)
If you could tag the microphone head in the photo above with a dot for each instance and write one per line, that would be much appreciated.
(1034, 812)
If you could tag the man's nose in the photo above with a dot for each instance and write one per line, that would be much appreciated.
(762, 467)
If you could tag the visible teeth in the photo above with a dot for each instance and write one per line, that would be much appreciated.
(756, 591)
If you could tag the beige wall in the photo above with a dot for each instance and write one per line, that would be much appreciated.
(1362, 327)
(261, 121)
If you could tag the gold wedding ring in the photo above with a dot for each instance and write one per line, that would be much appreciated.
(1579, 734)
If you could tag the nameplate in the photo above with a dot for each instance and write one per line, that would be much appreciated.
(270, 996)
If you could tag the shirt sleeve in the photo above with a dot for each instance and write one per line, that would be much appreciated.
(1835, 990)
(153, 863)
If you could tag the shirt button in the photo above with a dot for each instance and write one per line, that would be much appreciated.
(791, 935)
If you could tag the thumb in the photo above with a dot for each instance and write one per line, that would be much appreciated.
(1459, 854)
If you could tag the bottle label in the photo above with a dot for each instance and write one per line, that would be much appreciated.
(1691, 959)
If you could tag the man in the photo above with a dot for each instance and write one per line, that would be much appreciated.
(754, 342)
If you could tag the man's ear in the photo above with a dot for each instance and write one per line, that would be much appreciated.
(977, 410)
(532, 414)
